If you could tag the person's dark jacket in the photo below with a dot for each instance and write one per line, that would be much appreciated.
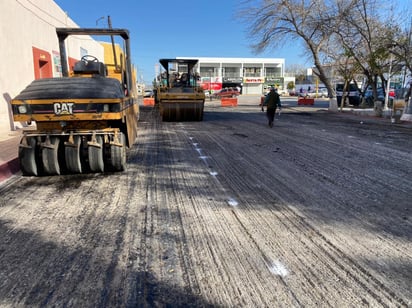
(272, 100)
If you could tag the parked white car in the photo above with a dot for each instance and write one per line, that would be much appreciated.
(322, 92)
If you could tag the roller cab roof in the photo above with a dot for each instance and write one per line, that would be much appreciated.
(190, 62)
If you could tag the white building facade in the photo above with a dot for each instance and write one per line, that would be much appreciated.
(30, 48)
(252, 75)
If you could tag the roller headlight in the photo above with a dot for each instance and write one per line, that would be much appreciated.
(106, 108)
(22, 109)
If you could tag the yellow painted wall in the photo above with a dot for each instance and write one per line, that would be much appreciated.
(109, 59)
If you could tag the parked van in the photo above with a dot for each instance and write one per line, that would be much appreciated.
(353, 94)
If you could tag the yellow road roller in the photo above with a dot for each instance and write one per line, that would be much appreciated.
(178, 95)
(85, 119)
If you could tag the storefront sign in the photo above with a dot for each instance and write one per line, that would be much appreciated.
(278, 80)
(254, 80)
(233, 79)
(214, 83)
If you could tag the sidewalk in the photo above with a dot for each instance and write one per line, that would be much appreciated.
(9, 163)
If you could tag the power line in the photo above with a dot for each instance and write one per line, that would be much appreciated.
(35, 13)
(45, 12)
(45, 21)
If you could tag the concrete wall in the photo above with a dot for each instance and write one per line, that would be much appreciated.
(25, 24)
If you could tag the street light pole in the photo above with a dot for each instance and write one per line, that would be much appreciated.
(210, 84)
(97, 21)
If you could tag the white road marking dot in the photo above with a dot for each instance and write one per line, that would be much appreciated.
(278, 269)
(232, 202)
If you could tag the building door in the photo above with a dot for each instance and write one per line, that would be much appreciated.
(72, 62)
(42, 64)
(252, 88)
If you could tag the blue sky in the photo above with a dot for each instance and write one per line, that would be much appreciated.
(180, 28)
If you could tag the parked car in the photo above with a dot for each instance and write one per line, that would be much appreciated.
(148, 93)
(302, 93)
(322, 92)
(369, 99)
(353, 94)
(292, 93)
(227, 92)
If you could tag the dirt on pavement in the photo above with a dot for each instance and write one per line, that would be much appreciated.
(226, 212)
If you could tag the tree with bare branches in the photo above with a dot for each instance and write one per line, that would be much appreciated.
(350, 36)
(272, 23)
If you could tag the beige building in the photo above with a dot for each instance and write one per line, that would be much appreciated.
(30, 48)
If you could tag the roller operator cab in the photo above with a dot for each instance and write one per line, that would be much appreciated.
(84, 120)
(178, 94)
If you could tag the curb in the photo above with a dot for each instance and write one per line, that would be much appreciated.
(8, 169)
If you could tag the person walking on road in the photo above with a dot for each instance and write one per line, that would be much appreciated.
(272, 102)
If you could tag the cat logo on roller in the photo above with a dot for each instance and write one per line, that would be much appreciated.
(63, 108)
